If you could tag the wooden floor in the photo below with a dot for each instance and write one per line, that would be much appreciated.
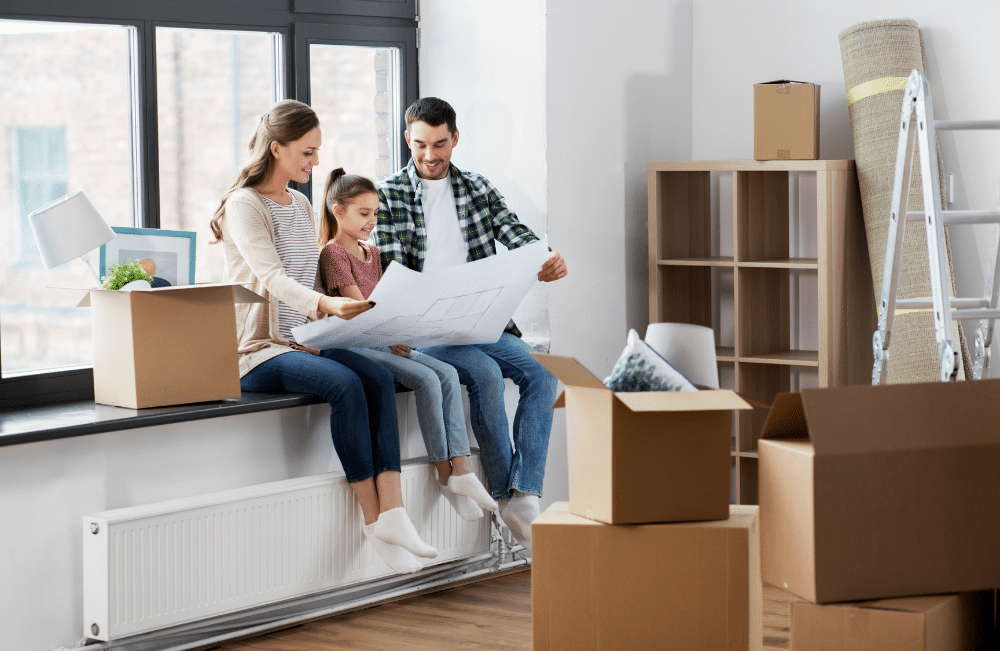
(494, 614)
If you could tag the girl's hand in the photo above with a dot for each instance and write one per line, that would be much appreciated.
(304, 349)
(553, 269)
(402, 351)
(345, 308)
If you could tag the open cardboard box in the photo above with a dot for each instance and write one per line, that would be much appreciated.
(652, 456)
(869, 492)
(955, 622)
(687, 586)
(166, 346)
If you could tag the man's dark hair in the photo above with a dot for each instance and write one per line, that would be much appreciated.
(433, 111)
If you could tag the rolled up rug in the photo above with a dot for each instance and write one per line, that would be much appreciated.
(878, 57)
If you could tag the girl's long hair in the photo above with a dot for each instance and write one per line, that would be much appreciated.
(341, 188)
(286, 122)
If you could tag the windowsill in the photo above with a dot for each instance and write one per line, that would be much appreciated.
(67, 420)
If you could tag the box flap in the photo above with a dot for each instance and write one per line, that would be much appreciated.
(786, 420)
(713, 400)
(240, 293)
(782, 81)
(865, 419)
(571, 372)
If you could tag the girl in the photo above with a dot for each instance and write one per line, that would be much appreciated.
(269, 239)
(350, 267)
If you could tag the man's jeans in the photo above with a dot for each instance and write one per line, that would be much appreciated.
(482, 368)
(362, 398)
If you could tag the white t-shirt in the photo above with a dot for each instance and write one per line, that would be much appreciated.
(445, 244)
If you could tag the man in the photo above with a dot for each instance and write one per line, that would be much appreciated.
(431, 216)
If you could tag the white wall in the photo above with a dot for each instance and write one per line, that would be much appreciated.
(737, 44)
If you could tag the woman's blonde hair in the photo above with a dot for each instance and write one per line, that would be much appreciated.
(286, 122)
(341, 188)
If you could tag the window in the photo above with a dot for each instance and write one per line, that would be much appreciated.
(148, 107)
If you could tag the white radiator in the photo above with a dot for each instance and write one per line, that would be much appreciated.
(160, 565)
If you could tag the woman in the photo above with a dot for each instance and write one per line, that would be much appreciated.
(269, 239)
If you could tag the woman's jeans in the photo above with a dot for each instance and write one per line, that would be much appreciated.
(482, 368)
(362, 398)
(435, 385)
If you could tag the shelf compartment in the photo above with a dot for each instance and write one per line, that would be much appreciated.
(747, 474)
(682, 295)
(761, 201)
(760, 382)
(683, 203)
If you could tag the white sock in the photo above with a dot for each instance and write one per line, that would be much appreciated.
(470, 486)
(394, 526)
(400, 560)
(518, 512)
(464, 506)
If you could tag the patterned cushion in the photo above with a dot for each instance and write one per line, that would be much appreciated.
(640, 368)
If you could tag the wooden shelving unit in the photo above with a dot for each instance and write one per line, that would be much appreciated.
(686, 268)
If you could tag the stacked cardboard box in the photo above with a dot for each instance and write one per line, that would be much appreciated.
(647, 553)
(870, 492)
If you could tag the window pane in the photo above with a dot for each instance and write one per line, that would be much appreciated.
(355, 93)
(212, 87)
(65, 125)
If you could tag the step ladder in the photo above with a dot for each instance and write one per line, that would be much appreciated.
(917, 107)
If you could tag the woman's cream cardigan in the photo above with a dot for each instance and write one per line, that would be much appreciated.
(252, 260)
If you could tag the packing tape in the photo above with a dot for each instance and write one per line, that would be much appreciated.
(875, 87)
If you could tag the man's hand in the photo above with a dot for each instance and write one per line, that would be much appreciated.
(553, 269)
(402, 351)
(345, 308)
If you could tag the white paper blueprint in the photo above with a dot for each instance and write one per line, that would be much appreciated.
(466, 304)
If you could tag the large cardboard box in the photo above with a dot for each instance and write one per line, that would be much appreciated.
(691, 586)
(957, 622)
(785, 120)
(166, 346)
(869, 492)
(655, 456)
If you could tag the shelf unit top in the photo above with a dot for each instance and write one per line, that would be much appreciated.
(751, 166)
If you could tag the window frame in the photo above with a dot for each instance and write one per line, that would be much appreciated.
(388, 23)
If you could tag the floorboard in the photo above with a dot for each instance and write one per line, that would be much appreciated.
(493, 614)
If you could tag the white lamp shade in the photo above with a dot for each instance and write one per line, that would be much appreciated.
(68, 228)
(689, 348)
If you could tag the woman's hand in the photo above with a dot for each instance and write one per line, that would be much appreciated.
(553, 269)
(402, 351)
(345, 308)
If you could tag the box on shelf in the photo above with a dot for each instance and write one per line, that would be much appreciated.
(651, 456)
(956, 622)
(785, 120)
(869, 492)
(685, 586)
(166, 346)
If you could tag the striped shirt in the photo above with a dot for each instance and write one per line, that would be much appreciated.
(483, 217)
(295, 242)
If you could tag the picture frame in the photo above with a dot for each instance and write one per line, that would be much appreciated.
(172, 251)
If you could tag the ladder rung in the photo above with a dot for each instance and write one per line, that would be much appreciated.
(966, 125)
(975, 314)
(960, 216)
(927, 304)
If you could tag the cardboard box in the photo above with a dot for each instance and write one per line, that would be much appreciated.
(869, 492)
(785, 120)
(653, 456)
(688, 586)
(958, 622)
(166, 346)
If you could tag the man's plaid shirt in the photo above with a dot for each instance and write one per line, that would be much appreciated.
(482, 214)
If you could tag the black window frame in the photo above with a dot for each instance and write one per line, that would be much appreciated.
(380, 23)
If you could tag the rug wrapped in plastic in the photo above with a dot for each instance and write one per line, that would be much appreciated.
(878, 57)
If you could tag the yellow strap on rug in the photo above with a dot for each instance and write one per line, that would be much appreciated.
(875, 87)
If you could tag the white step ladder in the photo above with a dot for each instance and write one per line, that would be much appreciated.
(917, 105)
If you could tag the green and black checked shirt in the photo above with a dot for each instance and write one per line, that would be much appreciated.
(482, 215)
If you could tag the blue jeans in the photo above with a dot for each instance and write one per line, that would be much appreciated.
(362, 398)
(435, 385)
(482, 368)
